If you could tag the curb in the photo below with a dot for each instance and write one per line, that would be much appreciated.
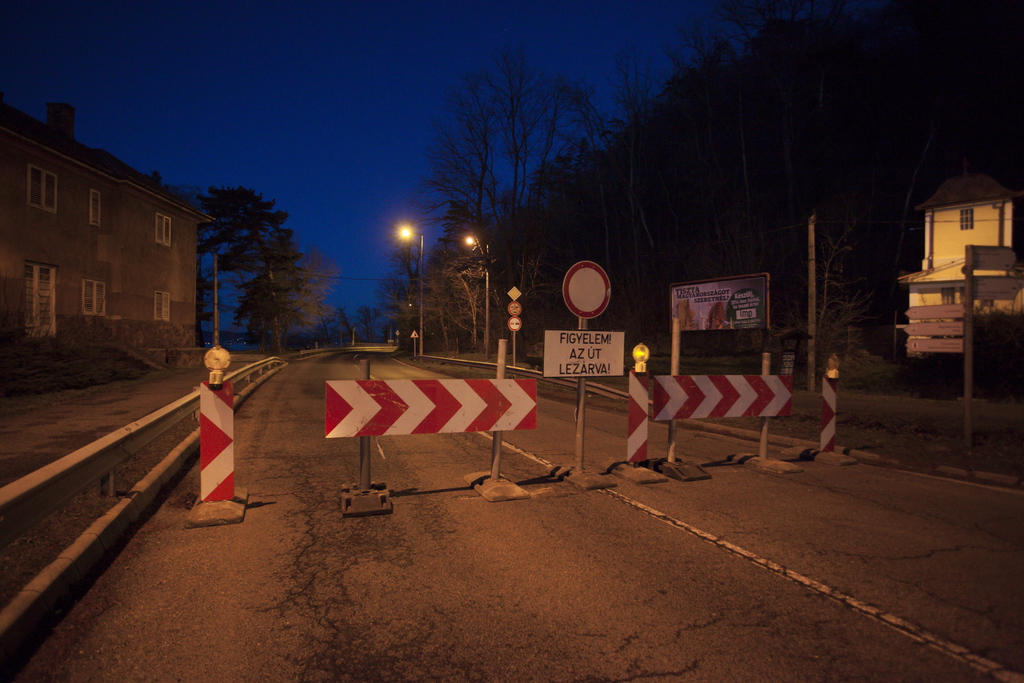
(987, 478)
(42, 594)
(40, 597)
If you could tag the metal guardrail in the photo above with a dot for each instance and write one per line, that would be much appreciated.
(599, 389)
(305, 353)
(27, 501)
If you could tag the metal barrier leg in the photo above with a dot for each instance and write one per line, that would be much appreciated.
(369, 499)
(491, 485)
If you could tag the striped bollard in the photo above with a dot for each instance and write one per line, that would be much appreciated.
(636, 440)
(637, 467)
(217, 442)
(828, 415)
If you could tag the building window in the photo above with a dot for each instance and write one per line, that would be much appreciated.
(967, 219)
(40, 319)
(42, 189)
(94, 297)
(163, 229)
(949, 295)
(162, 306)
(94, 207)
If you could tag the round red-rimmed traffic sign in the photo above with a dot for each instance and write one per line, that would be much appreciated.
(586, 289)
(515, 323)
(514, 308)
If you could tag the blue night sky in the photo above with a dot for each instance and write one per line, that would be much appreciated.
(325, 107)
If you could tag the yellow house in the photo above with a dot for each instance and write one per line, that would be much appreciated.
(969, 209)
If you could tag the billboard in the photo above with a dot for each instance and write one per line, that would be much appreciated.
(736, 303)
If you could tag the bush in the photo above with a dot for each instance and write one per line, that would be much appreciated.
(861, 371)
(999, 354)
(40, 366)
(998, 362)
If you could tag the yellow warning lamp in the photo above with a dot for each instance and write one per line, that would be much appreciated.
(833, 367)
(217, 361)
(640, 355)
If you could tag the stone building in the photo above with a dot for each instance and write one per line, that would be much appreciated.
(90, 248)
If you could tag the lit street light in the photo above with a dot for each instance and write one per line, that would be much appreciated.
(474, 242)
(407, 233)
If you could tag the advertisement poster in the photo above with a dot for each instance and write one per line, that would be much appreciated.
(739, 303)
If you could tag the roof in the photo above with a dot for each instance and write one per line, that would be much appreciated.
(947, 272)
(53, 139)
(968, 188)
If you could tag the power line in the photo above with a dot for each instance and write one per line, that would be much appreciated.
(365, 279)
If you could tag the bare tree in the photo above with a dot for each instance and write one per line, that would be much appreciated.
(317, 273)
(633, 99)
(780, 38)
(367, 322)
(502, 129)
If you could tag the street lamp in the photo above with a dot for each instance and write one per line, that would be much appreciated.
(407, 233)
(474, 242)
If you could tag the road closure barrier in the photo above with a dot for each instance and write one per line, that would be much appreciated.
(429, 406)
(636, 440)
(217, 442)
(828, 415)
(678, 397)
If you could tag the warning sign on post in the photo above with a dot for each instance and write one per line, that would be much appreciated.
(583, 353)
(739, 303)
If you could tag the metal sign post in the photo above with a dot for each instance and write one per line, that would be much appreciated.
(586, 291)
(492, 486)
(369, 499)
(581, 411)
(515, 323)
(968, 345)
(514, 309)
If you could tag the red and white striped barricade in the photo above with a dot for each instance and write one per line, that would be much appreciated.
(679, 397)
(429, 406)
(367, 407)
(828, 415)
(636, 439)
(217, 442)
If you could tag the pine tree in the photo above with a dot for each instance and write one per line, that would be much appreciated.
(253, 244)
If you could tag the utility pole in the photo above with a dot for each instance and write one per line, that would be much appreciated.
(812, 305)
(968, 301)
(216, 305)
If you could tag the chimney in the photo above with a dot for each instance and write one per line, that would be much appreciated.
(62, 117)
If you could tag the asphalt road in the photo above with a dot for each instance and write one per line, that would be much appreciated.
(852, 573)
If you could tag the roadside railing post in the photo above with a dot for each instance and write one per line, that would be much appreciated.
(496, 436)
(364, 441)
(766, 369)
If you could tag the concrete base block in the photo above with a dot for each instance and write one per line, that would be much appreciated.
(799, 453)
(682, 471)
(560, 473)
(219, 512)
(773, 466)
(589, 482)
(994, 478)
(495, 490)
(833, 458)
(638, 475)
(375, 501)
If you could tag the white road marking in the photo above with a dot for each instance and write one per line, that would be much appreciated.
(958, 652)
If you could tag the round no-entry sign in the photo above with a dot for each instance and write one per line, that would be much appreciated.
(586, 289)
